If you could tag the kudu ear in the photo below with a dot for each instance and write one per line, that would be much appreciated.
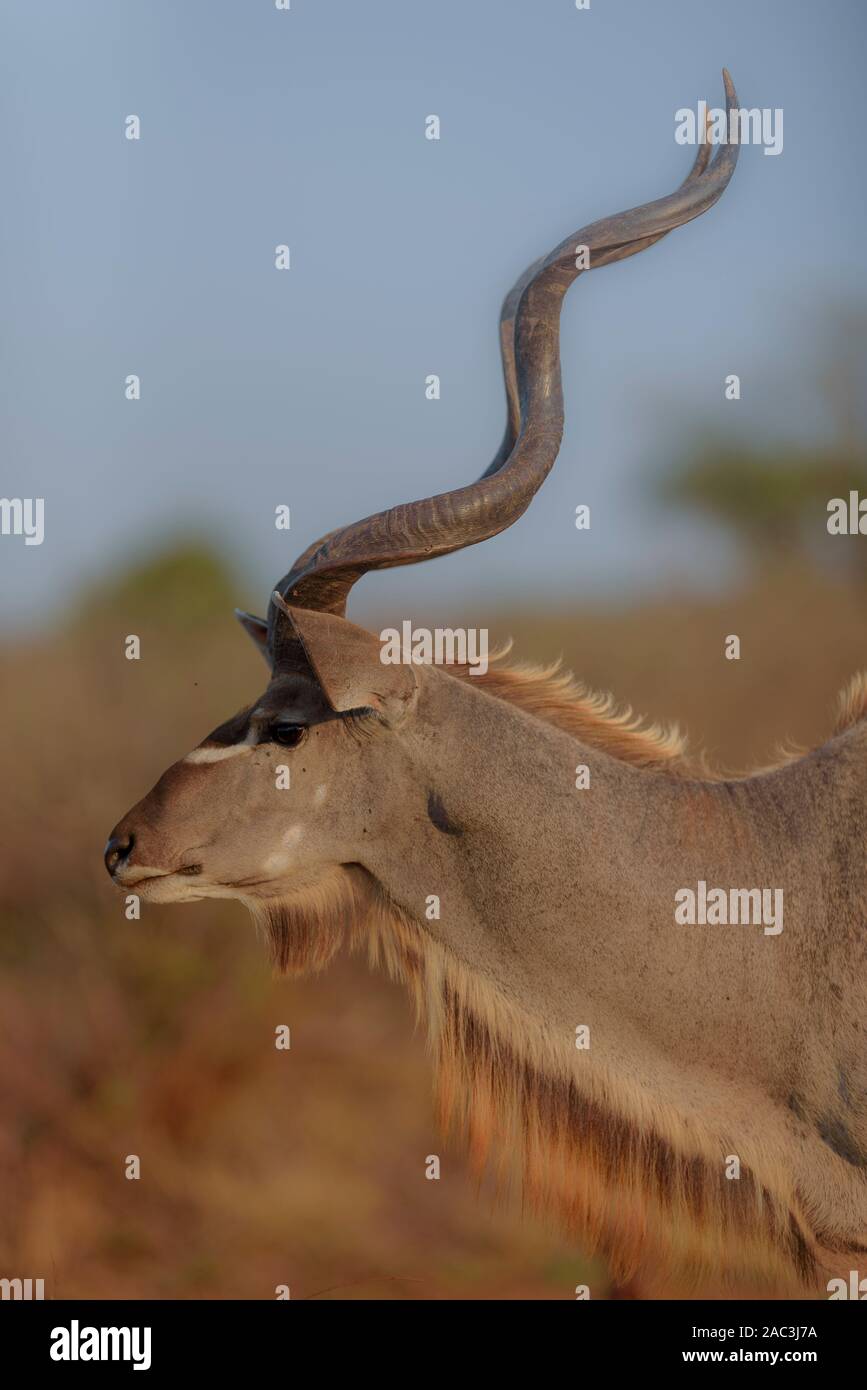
(346, 661)
(256, 628)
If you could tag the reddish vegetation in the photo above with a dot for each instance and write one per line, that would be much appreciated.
(156, 1037)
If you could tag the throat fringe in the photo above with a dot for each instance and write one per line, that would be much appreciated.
(620, 1174)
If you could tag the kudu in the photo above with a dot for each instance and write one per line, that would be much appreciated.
(707, 1044)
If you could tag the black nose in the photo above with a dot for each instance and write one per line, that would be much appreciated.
(117, 851)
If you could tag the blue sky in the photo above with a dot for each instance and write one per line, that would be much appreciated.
(307, 387)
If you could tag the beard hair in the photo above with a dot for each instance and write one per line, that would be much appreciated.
(306, 929)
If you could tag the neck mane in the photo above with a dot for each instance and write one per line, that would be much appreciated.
(636, 1188)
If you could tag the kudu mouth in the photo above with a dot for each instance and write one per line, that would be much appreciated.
(118, 854)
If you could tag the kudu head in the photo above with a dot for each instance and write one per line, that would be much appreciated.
(277, 806)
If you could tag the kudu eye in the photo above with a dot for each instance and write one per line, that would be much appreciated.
(289, 735)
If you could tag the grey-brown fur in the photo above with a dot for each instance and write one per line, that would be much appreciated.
(556, 904)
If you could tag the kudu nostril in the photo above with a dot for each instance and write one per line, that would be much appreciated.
(117, 851)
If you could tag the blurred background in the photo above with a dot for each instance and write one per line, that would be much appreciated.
(307, 388)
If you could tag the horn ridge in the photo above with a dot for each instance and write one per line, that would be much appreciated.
(324, 574)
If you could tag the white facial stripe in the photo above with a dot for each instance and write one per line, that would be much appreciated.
(277, 863)
(216, 755)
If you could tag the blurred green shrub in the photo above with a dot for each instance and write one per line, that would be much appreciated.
(180, 585)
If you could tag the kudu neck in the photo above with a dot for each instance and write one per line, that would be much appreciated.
(565, 896)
